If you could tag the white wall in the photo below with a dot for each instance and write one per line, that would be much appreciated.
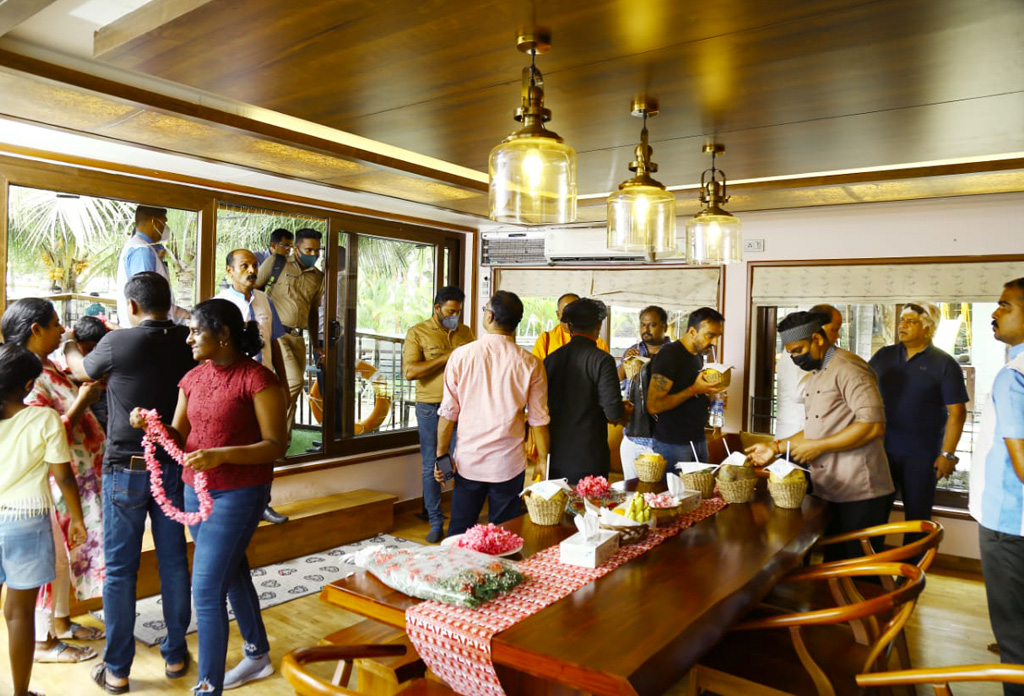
(967, 226)
(398, 476)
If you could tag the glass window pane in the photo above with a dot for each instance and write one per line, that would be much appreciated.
(396, 288)
(66, 247)
(250, 228)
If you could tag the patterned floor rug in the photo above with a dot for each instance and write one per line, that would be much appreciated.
(276, 584)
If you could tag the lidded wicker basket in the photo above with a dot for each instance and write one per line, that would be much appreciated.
(703, 481)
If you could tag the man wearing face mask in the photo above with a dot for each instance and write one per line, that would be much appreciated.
(296, 291)
(679, 393)
(844, 421)
(428, 345)
(141, 253)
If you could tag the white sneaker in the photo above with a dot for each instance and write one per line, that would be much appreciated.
(249, 669)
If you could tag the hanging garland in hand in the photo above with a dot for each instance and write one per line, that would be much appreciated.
(157, 434)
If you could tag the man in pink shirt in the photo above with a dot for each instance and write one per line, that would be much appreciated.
(495, 384)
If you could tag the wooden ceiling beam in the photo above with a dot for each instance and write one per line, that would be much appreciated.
(14, 12)
(137, 24)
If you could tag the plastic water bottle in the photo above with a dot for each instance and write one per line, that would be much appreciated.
(716, 419)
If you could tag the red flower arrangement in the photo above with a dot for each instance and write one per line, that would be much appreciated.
(592, 487)
(157, 434)
(490, 539)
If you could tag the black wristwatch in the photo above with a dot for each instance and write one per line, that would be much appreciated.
(951, 457)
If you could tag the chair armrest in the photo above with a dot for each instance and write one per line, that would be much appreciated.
(1012, 674)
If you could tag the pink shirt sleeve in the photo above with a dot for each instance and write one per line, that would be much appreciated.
(450, 406)
(537, 398)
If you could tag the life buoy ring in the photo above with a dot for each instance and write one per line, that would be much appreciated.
(381, 402)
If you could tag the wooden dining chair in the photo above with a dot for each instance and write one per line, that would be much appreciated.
(812, 652)
(801, 597)
(939, 678)
(305, 683)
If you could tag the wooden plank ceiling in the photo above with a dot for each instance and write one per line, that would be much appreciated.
(791, 88)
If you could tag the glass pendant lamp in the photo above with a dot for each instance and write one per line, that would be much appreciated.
(713, 235)
(532, 171)
(642, 214)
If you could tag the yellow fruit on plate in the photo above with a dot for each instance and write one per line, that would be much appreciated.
(619, 511)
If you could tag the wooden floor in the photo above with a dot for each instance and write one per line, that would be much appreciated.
(950, 626)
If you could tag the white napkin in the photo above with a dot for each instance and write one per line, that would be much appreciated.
(588, 526)
(675, 485)
(721, 367)
(609, 518)
(694, 467)
(783, 468)
(548, 489)
(735, 459)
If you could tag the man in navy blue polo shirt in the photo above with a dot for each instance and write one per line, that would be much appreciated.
(925, 409)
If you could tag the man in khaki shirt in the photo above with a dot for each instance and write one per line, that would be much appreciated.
(428, 346)
(844, 421)
(296, 291)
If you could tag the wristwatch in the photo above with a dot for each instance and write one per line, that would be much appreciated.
(951, 457)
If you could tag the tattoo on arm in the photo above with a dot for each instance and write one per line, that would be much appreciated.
(661, 383)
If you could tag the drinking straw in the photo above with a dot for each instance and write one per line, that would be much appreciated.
(727, 451)
(696, 457)
(787, 450)
(547, 467)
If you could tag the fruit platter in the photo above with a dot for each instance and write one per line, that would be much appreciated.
(487, 538)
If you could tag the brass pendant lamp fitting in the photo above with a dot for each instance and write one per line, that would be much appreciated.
(642, 214)
(713, 235)
(532, 171)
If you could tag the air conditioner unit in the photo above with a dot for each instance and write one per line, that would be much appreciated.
(512, 248)
(583, 246)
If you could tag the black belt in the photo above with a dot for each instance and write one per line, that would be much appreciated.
(292, 331)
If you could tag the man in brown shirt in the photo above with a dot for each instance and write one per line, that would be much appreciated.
(296, 291)
(428, 345)
(844, 421)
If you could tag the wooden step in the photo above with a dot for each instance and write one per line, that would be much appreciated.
(314, 525)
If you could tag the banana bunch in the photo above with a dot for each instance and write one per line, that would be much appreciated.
(638, 510)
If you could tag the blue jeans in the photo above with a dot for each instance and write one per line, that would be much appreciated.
(127, 503)
(503, 501)
(220, 569)
(679, 452)
(426, 424)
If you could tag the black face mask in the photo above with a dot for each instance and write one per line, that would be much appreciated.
(805, 362)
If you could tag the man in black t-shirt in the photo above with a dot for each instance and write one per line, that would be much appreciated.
(143, 366)
(678, 395)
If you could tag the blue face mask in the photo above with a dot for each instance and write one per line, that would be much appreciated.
(450, 322)
(308, 260)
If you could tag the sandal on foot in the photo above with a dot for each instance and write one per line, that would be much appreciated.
(77, 631)
(180, 672)
(62, 652)
(99, 675)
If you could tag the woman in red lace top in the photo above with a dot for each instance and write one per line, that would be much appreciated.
(230, 421)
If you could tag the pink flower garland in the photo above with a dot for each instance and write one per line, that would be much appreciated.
(157, 434)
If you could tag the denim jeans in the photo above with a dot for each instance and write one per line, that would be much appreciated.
(220, 569)
(673, 452)
(503, 501)
(426, 424)
(127, 503)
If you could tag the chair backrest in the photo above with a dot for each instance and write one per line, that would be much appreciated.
(941, 677)
(924, 548)
(307, 684)
(894, 606)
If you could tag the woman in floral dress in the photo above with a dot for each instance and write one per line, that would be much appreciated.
(34, 324)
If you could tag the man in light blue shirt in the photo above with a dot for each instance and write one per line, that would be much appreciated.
(142, 252)
(997, 486)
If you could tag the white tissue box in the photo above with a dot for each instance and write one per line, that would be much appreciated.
(589, 554)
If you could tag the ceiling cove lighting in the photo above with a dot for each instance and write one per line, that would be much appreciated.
(713, 235)
(532, 172)
(642, 214)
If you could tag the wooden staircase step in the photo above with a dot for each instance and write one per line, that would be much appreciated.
(314, 525)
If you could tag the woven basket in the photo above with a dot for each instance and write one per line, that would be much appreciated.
(630, 534)
(703, 481)
(739, 491)
(545, 513)
(788, 495)
(649, 469)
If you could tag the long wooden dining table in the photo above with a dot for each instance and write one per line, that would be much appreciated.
(638, 629)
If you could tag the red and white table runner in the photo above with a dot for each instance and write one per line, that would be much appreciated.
(455, 643)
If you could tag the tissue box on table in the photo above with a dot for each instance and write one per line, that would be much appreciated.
(576, 550)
